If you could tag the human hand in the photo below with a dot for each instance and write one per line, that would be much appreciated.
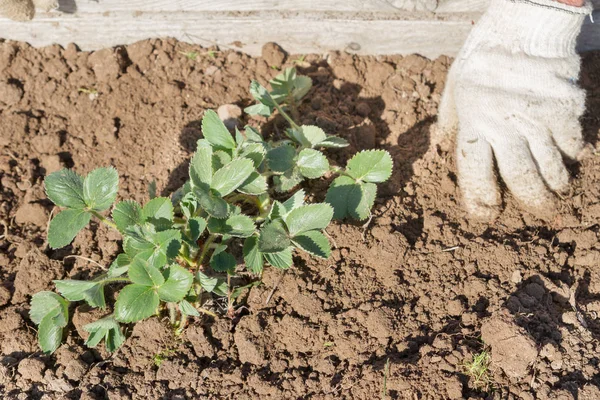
(24, 10)
(512, 96)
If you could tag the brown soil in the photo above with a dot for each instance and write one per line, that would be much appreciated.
(419, 286)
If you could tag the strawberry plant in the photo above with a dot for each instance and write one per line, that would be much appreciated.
(182, 251)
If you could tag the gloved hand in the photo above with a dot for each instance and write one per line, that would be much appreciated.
(24, 10)
(512, 96)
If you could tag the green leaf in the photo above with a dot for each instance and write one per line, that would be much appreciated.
(50, 334)
(283, 84)
(155, 247)
(232, 176)
(295, 201)
(302, 85)
(334, 142)
(308, 218)
(212, 285)
(119, 266)
(297, 136)
(73, 290)
(220, 159)
(313, 242)
(361, 210)
(351, 199)
(339, 193)
(65, 226)
(142, 273)
(312, 163)
(95, 296)
(371, 166)
(282, 259)
(177, 285)
(108, 329)
(135, 303)
(159, 212)
(51, 313)
(212, 203)
(239, 139)
(215, 132)
(259, 109)
(127, 213)
(188, 204)
(45, 303)
(90, 291)
(261, 95)
(187, 309)
(313, 134)
(196, 226)
(222, 261)
(182, 194)
(281, 159)
(253, 135)
(252, 255)
(201, 167)
(236, 225)
(289, 84)
(114, 340)
(65, 189)
(288, 181)
(277, 211)
(255, 152)
(273, 237)
(100, 188)
(255, 184)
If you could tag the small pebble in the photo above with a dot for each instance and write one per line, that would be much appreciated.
(516, 277)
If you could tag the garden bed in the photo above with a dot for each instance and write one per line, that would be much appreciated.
(404, 303)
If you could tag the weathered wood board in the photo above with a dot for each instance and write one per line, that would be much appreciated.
(427, 27)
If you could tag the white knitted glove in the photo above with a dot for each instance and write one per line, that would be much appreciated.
(512, 94)
(24, 10)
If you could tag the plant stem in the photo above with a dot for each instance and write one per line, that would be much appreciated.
(293, 107)
(104, 220)
(179, 220)
(205, 311)
(205, 249)
(172, 313)
(284, 114)
(117, 279)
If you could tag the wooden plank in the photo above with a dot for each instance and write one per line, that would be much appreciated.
(137, 6)
(462, 5)
(297, 35)
(297, 32)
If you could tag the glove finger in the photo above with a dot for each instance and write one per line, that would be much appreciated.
(447, 115)
(549, 160)
(567, 134)
(476, 177)
(521, 175)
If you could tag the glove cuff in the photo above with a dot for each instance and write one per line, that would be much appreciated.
(544, 28)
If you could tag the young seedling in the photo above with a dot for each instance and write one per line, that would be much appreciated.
(478, 369)
(181, 252)
(190, 55)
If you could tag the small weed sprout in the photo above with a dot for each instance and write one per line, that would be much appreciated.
(478, 369)
(386, 372)
(181, 253)
(193, 55)
(87, 91)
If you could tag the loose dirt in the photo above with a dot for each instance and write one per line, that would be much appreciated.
(419, 289)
